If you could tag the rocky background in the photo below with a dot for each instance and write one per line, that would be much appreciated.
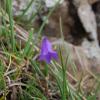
(73, 29)
(79, 23)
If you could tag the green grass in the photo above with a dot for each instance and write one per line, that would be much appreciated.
(11, 27)
(23, 77)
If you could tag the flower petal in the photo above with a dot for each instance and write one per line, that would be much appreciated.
(45, 46)
(44, 49)
(47, 43)
(41, 57)
(46, 58)
(47, 52)
(54, 55)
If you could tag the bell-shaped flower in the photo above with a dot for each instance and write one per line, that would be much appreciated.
(47, 53)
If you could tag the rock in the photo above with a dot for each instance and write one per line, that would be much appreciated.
(52, 3)
(93, 1)
(96, 8)
(20, 5)
(72, 27)
(53, 26)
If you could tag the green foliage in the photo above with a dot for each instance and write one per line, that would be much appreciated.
(2, 80)
(12, 33)
(22, 75)
(29, 46)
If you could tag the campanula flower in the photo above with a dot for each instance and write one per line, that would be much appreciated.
(47, 53)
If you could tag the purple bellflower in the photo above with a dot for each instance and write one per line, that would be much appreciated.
(47, 53)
